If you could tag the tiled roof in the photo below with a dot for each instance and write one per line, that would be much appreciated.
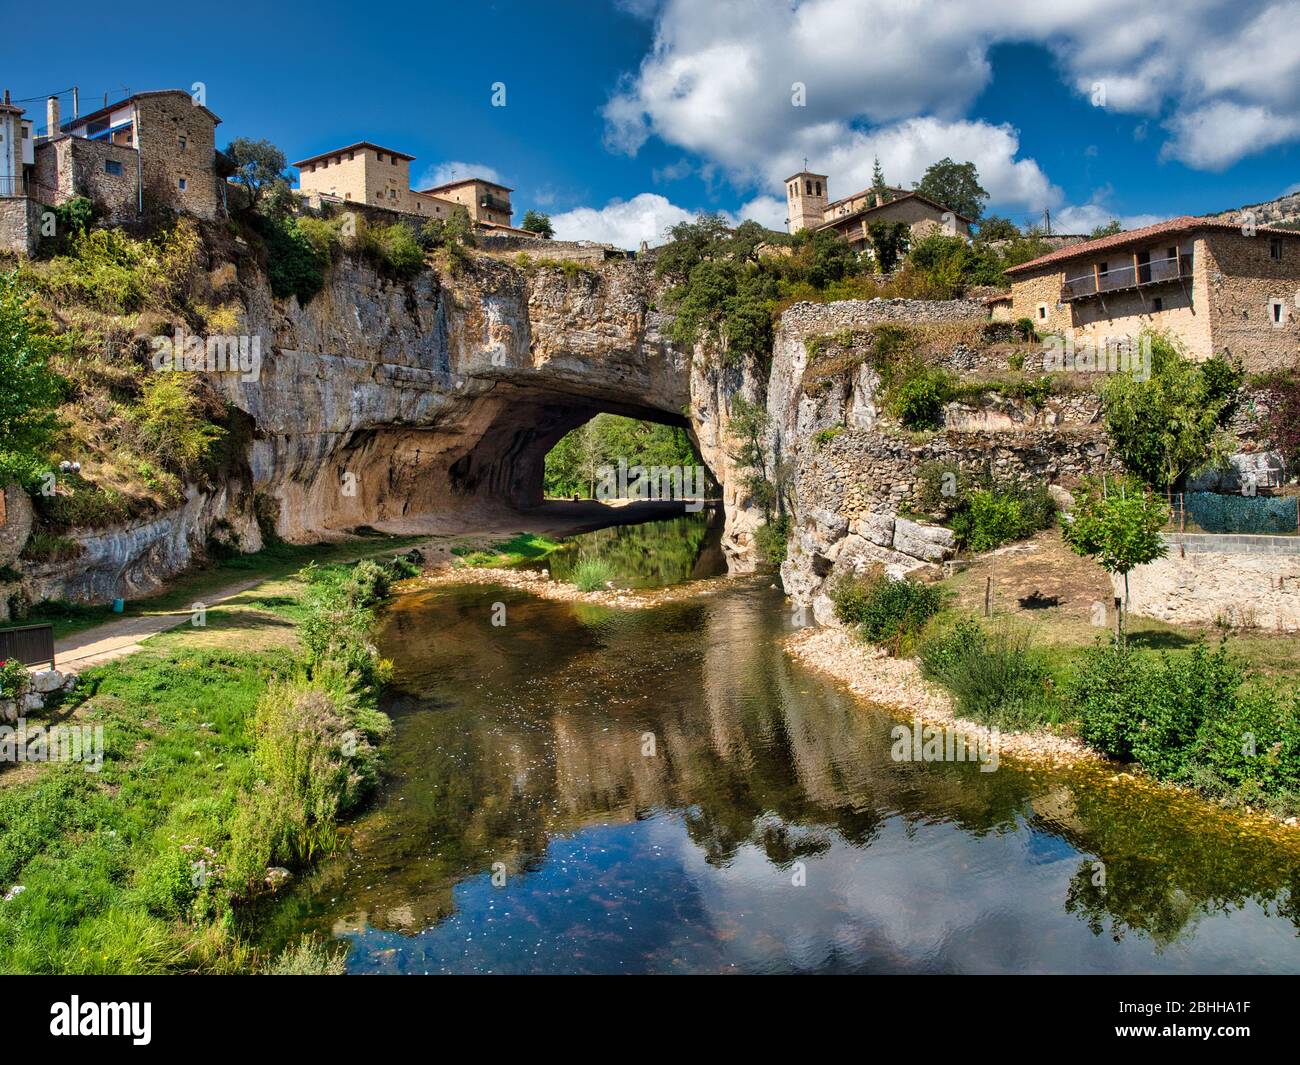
(880, 207)
(1183, 224)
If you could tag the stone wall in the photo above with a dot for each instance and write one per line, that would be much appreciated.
(1226, 580)
(854, 470)
(19, 225)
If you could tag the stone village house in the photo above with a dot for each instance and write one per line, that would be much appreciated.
(381, 177)
(152, 150)
(1219, 288)
(158, 150)
(851, 217)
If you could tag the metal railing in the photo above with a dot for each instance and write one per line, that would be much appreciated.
(12, 186)
(1131, 275)
(494, 203)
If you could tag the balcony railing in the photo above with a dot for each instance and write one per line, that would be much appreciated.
(494, 203)
(12, 186)
(1131, 275)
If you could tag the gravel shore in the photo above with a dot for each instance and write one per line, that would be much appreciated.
(539, 583)
(896, 685)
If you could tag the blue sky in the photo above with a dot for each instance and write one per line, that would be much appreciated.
(625, 116)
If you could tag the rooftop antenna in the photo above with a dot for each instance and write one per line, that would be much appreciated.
(1047, 221)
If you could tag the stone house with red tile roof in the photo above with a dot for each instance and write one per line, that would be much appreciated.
(1217, 287)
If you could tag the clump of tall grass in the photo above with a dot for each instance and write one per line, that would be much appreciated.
(996, 677)
(591, 574)
(307, 957)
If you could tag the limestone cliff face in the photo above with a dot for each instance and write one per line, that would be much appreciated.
(408, 405)
(854, 472)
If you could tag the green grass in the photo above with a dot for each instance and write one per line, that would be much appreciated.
(519, 549)
(191, 743)
(89, 848)
(592, 573)
(274, 560)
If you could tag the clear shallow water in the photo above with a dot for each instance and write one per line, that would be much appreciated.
(522, 748)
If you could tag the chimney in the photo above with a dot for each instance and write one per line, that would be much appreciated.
(52, 117)
(880, 199)
(6, 97)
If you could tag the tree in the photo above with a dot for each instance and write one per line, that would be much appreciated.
(889, 242)
(1117, 524)
(878, 185)
(956, 186)
(537, 222)
(29, 389)
(1165, 420)
(1283, 391)
(995, 227)
(258, 165)
(1109, 229)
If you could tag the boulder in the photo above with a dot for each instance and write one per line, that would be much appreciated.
(49, 681)
(878, 528)
(1063, 499)
(932, 543)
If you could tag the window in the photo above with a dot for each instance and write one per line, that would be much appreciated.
(184, 184)
(182, 142)
(392, 194)
(379, 156)
(393, 159)
(1275, 248)
(809, 185)
(819, 188)
(1275, 312)
(112, 166)
(1042, 310)
(1157, 304)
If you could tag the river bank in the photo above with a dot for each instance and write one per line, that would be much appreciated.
(896, 685)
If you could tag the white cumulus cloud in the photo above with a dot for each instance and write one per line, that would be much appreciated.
(623, 223)
(444, 173)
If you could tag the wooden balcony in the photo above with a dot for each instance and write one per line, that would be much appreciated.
(1132, 275)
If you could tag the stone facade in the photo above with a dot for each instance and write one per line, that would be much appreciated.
(488, 203)
(107, 174)
(19, 225)
(1229, 294)
(368, 174)
(807, 196)
(176, 139)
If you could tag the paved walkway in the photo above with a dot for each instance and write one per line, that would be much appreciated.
(114, 639)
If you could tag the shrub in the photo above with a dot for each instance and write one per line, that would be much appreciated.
(989, 518)
(592, 573)
(1191, 720)
(825, 436)
(885, 611)
(918, 400)
(996, 678)
(294, 264)
(173, 425)
(13, 679)
(308, 957)
(772, 539)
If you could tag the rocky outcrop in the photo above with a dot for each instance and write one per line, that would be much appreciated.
(854, 470)
(402, 404)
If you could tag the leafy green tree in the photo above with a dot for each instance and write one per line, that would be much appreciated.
(889, 242)
(537, 222)
(1108, 230)
(1168, 423)
(995, 227)
(258, 166)
(691, 243)
(956, 186)
(1116, 523)
(30, 390)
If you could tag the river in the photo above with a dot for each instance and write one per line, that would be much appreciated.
(585, 790)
